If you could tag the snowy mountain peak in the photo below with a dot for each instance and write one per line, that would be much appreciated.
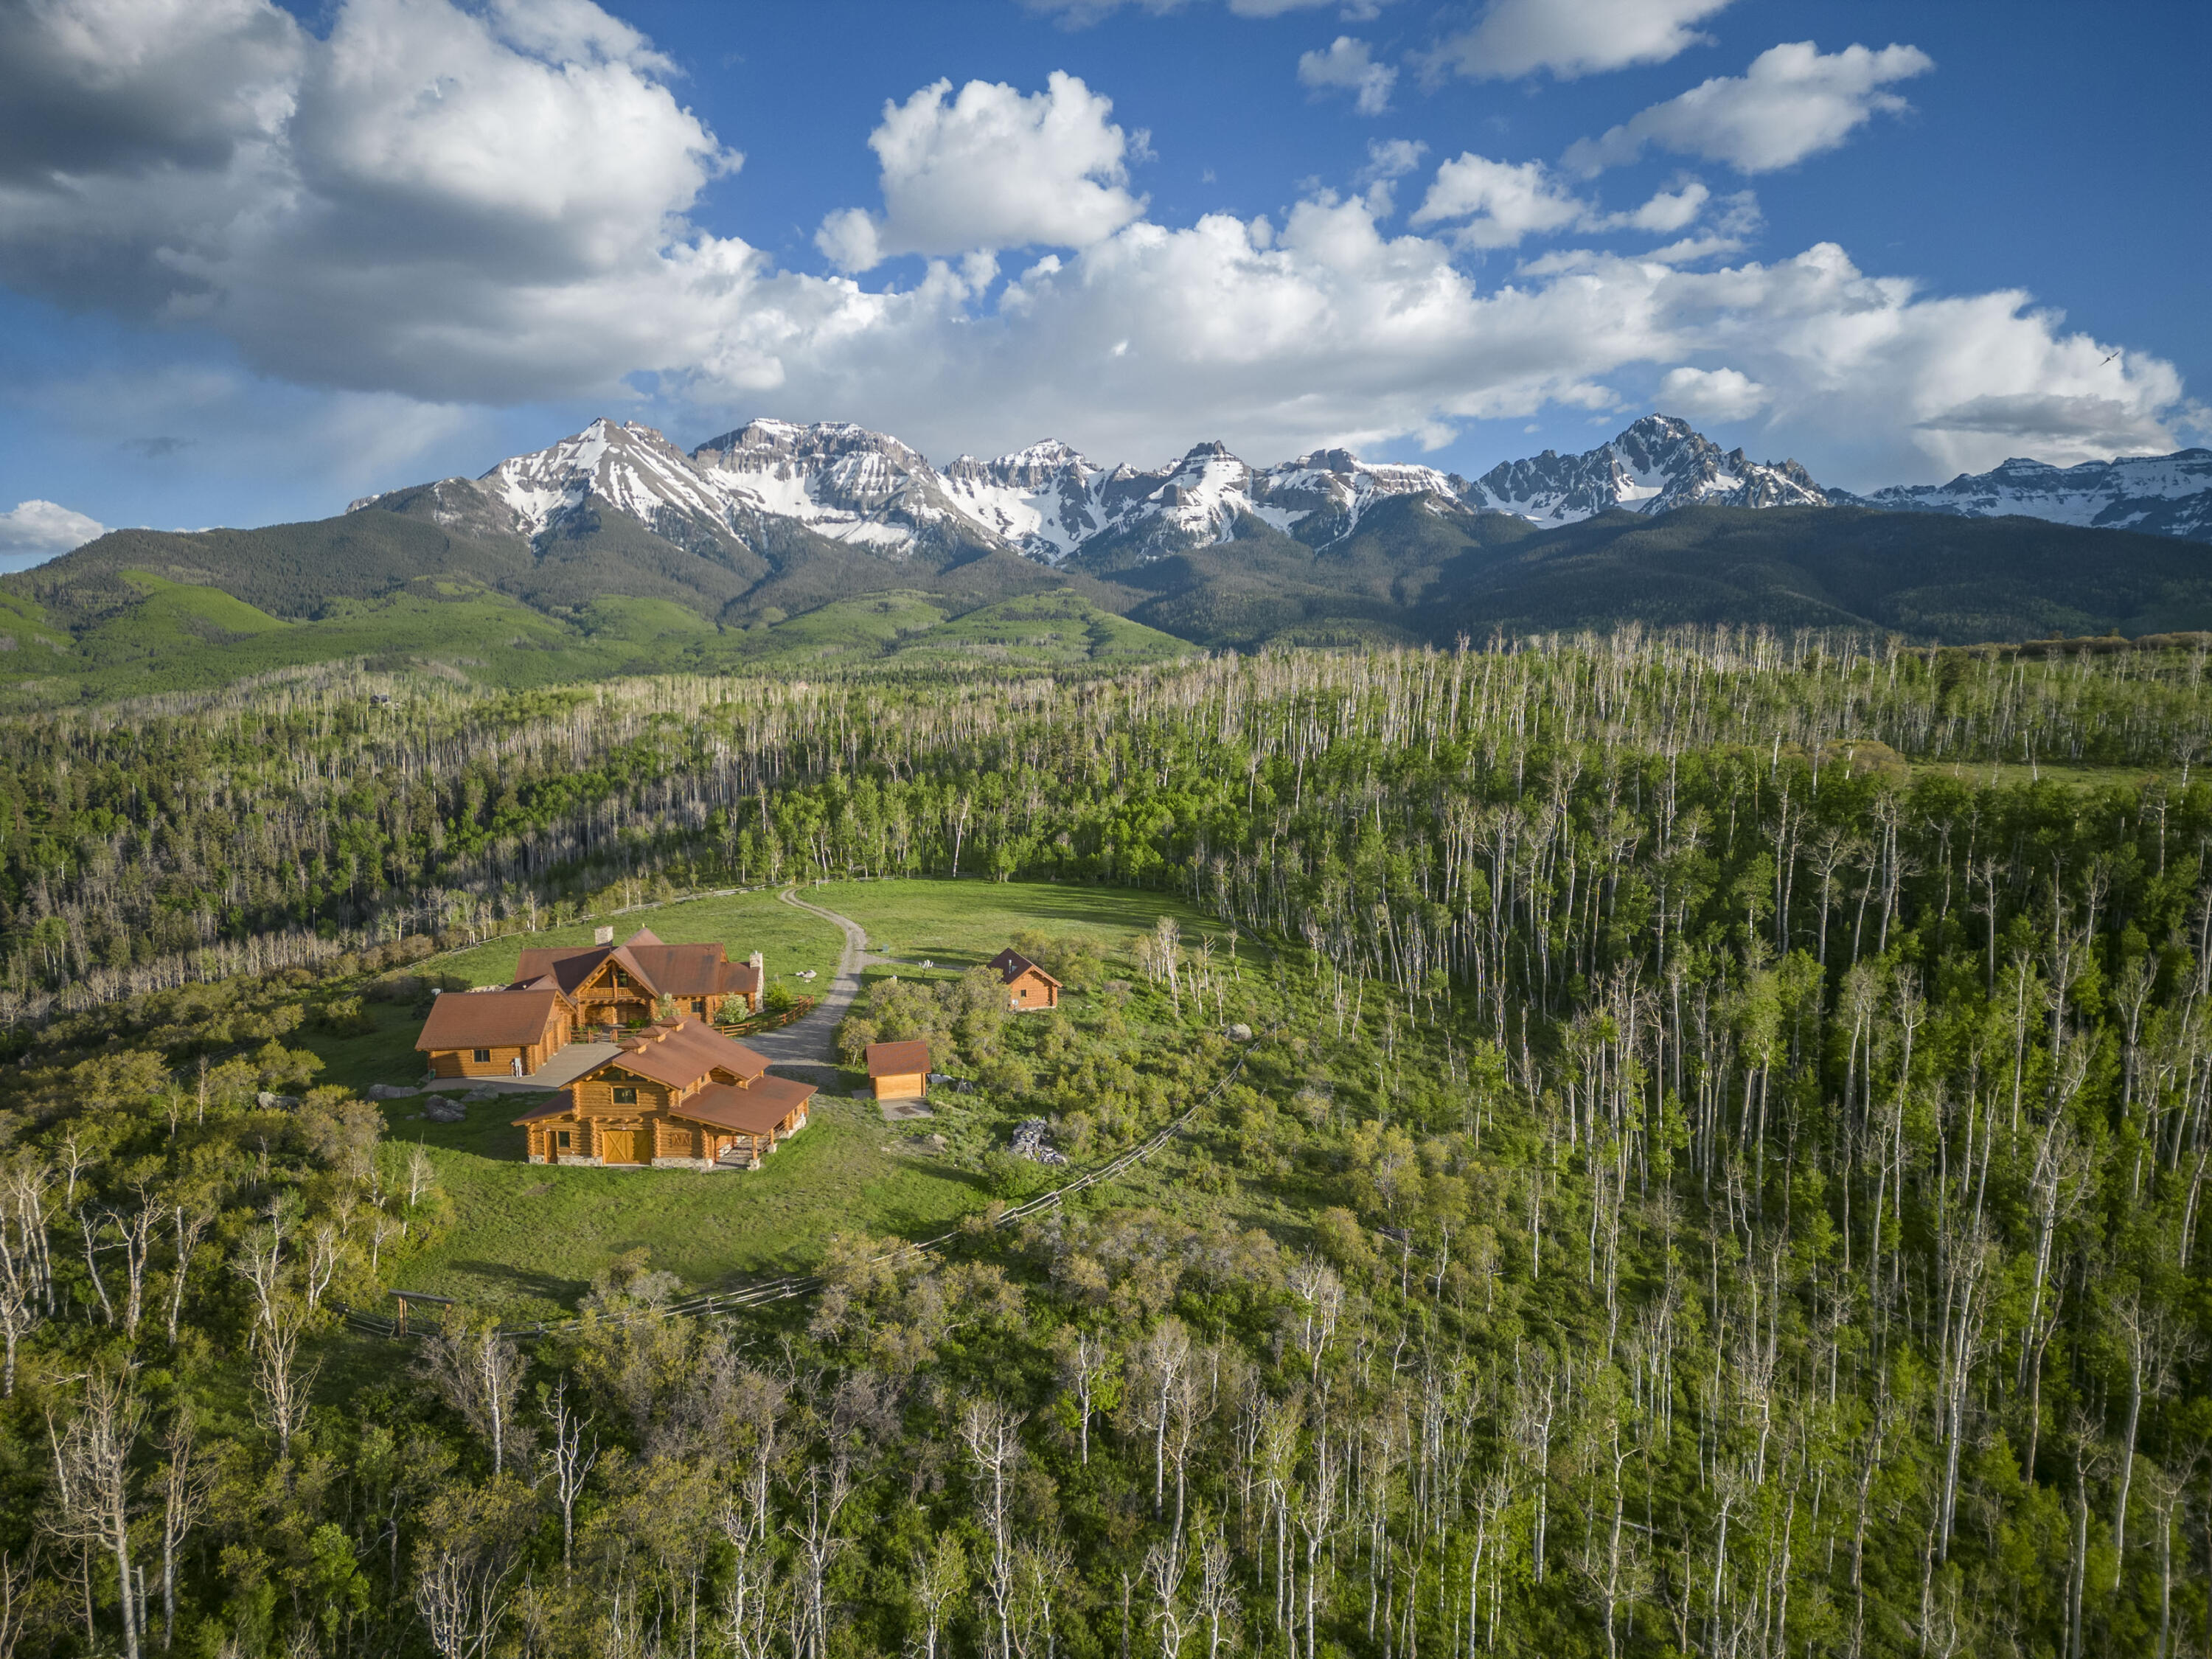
(626, 465)
(1658, 463)
(2159, 495)
(1048, 501)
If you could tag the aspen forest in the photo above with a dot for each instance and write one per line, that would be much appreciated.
(1669, 1144)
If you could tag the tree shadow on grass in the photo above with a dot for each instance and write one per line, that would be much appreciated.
(522, 1281)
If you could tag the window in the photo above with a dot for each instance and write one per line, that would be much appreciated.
(483, 1054)
(625, 1097)
(698, 1005)
(560, 1139)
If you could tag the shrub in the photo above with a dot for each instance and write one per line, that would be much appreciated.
(1004, 1174)
(853, 1036)
(779, 999)
(345, 1017)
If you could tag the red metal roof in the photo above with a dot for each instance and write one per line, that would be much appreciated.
(751, 1111)
(669, 970)
(898, 1059)
(681, 1052)
(487, 1019)
(560, 1106)
(680, 970)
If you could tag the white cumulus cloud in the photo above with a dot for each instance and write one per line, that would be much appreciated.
(1348, 66)
(1711, 394)
(460, 204)
(1572, 38)
(442, 209)
(1667, 211)
(992, 168)
(1076, 13)
(1392, 158)
(1501, 202)
(1794, 102)
(36, 530)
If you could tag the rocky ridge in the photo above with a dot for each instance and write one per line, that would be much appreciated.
(1051, 504)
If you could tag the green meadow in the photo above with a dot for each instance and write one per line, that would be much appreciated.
(526, 1239)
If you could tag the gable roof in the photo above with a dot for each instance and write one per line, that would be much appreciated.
(1011, 965)
(560, 1106)
(898, 1059)
(568, 969)
(667, 970)
(680, 971)
(487, 1019)
(681, 1052)
(749, 1111)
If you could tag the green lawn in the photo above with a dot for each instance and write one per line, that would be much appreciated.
(960, 923)
(789, 938)
(526, 1239)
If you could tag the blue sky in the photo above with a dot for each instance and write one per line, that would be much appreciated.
(259, 262)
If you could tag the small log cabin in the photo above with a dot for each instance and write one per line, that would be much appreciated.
(496, 1033)
(617, 985)
(900, 1071)
(1028, 988)
(678, 1096)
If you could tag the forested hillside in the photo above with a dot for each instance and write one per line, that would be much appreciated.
(1718, 1166)
(415, 581)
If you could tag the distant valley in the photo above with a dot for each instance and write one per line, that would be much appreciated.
(616, 551)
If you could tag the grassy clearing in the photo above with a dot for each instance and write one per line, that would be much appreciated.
(526, 1239)
(961, 923)
(2007, 775)
(789, 937)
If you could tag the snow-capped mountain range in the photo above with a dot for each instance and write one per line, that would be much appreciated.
(1048, 502)
(1657, 464)
(2158, 494)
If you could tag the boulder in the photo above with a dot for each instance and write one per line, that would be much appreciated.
(1029, 1142)
(1240, 1033)
(273, 1103)
(442, 1110)
(392, 1090)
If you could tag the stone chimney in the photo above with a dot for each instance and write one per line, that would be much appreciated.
(603, 936)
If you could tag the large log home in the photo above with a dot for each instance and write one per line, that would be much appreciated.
(617, 985)
(678, 1096)
(508, 1033)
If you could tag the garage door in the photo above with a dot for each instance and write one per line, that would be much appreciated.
(621, 1146)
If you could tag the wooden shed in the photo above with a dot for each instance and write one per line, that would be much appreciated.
(1028, 988)
(900, 1071)
(495, 1033)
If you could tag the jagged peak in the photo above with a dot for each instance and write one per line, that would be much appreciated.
(1047, 452)
(766, 432)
